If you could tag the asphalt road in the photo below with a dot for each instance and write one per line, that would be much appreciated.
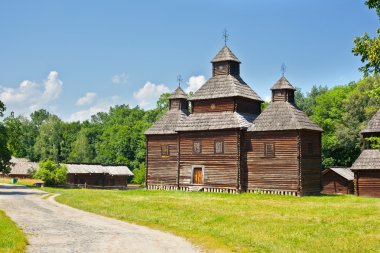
(53, 227)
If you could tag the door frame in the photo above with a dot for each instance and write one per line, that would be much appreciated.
(192, 173)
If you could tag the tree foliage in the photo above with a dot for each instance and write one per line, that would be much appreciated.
(369, 48)
(51, 173)
(5, 153)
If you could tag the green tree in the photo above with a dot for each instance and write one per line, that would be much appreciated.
(5, 154)
(51, 173)
(82, 152)
(307, 102)
(369, 48)
(49, 141)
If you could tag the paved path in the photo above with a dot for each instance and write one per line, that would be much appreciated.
(53, 227)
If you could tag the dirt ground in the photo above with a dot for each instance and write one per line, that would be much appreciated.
(53, 227)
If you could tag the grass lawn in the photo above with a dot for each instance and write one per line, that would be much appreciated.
(12, 238)
(20, 181)
(245, 222)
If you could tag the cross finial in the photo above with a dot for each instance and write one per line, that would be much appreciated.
(283, 69)
(179, 80)
(225, 36)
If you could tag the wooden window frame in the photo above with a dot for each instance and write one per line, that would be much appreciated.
(221, 141)
(273, 153)
(165, 148)
(200, 147)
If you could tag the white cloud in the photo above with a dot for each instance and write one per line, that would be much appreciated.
(102, 105)
(147, 96)
(267, 99)
(30, 96)
(53, 86)
(86, 99)
(120, 78)
(194, 83)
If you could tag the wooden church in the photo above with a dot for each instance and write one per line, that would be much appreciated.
(226, 144)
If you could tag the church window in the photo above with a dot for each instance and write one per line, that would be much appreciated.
(197, 147)
(219, 147)
(269, 149)
(165, 151)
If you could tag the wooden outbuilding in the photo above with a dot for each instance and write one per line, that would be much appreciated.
(367, 167)
(338, 180)
(98, 175)
(216, 148)
(22, 168)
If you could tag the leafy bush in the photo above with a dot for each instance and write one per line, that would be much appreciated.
(51, 172)
(139, 174)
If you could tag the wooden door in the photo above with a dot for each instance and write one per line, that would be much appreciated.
(197, 176)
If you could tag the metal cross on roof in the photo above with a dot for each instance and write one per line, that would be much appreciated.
(283, 69)
(179, 80)
(225, 36)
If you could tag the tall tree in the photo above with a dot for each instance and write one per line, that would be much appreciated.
(369, 48)
(49, 141)
(5, 154)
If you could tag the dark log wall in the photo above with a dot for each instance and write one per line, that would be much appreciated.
(248, 106)
(220, 170)
(367, 183)
(214, 105)
(279, 172)
(97, 179)
(162, 170)
(225, 68)
(333, 183)
(311, 162)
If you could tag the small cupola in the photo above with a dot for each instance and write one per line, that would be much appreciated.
(225, 63)
(178, 100)
(282, 90)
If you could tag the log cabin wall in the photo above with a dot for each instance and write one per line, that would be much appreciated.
(162, 167)
(226, 68)
(219, 170)
(96, 179)
(276, 171)
(214, 105)
(311, 161)
(333, 183)
(247, 106)
(367, 183)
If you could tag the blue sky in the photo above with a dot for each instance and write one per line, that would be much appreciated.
(76, 58)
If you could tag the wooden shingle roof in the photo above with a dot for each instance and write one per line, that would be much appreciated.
(225, 54)
(22, 166)
(282, 84)
(369, 159)
(98, 169)
(221, 86)
(178, 93)
(168, 122)
(282, 115)
(342, 171)
(373, 125)
(216, 121)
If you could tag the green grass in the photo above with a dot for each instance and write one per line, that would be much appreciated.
(20, 181)
(12, 238)
(245, 222)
